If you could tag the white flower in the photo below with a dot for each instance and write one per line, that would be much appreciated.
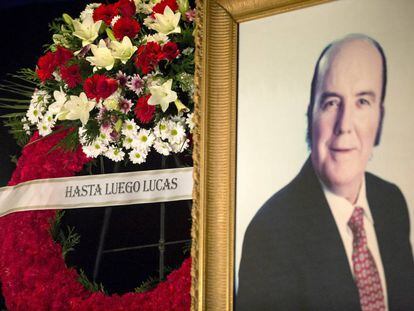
(176, 133)
(136, 84)
(104, 138)
(129, 127)
(130, 141)
(180, 147)
(190, 121)
(158, 37)
(137, 156)
(102, 56)
(95, 149)
(115, 154)
(88, 12)
(112, 102)
(88, 30)
(57, 76)
(161, 129)
(60, 99)
(40, 97)
(46, 124)
(77, 107)
(26, 126)
(44, 128)
(122, 50)
(162, 95)
(162, 147)
(145, 138)
(166, 23)
(145, 6)
(34, 113)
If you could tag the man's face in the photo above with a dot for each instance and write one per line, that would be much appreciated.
(346, 113)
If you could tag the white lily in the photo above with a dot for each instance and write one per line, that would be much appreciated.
(166, 23)
(122, 50)
(87, 31)
(162, 95)
(77, 107)
(60, 99)
(102, 56)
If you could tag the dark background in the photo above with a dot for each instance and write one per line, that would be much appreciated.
(24, 32)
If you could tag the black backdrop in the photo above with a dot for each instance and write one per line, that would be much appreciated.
(24, 32)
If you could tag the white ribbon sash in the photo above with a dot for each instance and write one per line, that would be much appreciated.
(98, 190)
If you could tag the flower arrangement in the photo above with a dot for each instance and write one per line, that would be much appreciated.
(121, 75)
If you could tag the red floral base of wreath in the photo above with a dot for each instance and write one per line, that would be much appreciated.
(34, 275)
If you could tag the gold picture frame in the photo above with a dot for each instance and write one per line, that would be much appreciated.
(215, 143)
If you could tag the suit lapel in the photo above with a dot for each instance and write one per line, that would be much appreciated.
(325, 248)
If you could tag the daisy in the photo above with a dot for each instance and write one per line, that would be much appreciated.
(95, 149)
(115, 154)
(162, 147)
(161, 129)
(129, 127)
(137, 156)
(176, 133)
(125, 105)
(122, 78)
(136, 84)
(181, 146)
(190, 121)
(44, 128)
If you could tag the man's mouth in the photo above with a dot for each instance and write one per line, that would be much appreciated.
(341, 150)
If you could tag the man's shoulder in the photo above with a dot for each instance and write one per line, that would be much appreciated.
(380, 186)
(286, 204)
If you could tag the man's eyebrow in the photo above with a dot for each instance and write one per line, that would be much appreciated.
(367, 93)
(326, 95)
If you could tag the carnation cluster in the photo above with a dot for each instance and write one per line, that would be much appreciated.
(120, 75)
(33, 272)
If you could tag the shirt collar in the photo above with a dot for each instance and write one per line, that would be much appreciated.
(342, 208)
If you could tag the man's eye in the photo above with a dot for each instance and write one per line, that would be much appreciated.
(330, 104)
(363, 102)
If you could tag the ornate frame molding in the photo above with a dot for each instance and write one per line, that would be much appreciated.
(215, 143)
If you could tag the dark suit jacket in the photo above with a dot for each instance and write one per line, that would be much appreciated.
(293, 257)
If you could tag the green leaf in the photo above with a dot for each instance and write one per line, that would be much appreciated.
(89, 285)
(17, 107)
(12, 115)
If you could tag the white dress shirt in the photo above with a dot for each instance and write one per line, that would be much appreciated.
(342, 210)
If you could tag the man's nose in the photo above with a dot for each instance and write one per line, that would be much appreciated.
(344, 120)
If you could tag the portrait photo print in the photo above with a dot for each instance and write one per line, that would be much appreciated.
(324, 99)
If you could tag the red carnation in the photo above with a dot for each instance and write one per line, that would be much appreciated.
(100, 86)
(71, 75)
(62, 55)
(148, 57)
(126, 26)
(160, 7)
(105, 12)
(126, 8)
(170, 50)
(46, 66)
(143, 111)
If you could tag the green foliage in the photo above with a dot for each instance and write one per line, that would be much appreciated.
(91, 131)
(69, 143)
(17, 131)
(149, 284)
(68, 238)
(88, 284)
(55, 225)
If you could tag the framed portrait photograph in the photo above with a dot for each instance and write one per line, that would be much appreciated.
(305, 160)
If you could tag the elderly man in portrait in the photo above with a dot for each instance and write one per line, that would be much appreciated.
(336, 237)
